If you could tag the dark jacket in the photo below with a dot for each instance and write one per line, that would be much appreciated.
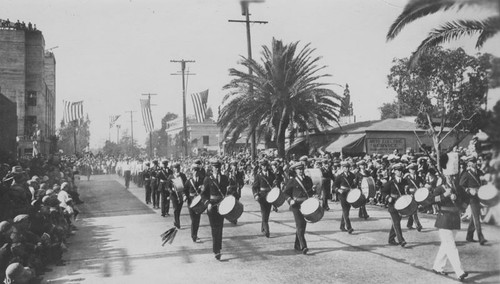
(449, 214)
(294, 190)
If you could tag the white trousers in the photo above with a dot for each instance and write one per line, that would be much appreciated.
(448, 251)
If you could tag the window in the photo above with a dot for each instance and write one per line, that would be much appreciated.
(205, 140)
(29, 125)
(31, 98)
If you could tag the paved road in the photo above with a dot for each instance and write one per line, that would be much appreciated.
(118, 241)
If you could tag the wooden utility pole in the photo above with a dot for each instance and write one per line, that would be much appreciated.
(117, 133)
(246, 12)
(183, 70)
(150, 133)
(131, 126)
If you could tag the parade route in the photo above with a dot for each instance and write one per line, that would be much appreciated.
(118, 241)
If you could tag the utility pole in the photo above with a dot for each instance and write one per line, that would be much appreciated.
(246, 12)
(183, 69)
(150, 133)
(131, 126)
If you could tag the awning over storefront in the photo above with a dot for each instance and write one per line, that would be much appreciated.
(348, 143)
(296, 142)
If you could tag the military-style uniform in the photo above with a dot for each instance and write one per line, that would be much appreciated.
(359, 178)
(155, 185)
(176, 197)
(146, 175)
(391, 191)
(470, 182)
(344, 182)
(299, 189)
(164, 176)
(261, 186)
(191, 190)
(447, 222)
(215, 189)
(327, 178)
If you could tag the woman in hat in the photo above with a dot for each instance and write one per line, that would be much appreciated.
(297, 190)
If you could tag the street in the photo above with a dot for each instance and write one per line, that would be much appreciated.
(118, 241)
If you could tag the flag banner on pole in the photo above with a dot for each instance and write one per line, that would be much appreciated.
(147, 117)
(72, 111)
(200, 105)
(113, 119)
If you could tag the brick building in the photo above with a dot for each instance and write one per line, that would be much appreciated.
(27, 79)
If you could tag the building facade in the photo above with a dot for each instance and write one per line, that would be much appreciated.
(203, 137)
(28, 79)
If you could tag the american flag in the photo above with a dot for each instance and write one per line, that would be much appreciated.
(147, 118)
(72, 111)
(113, 119)
(200, 105)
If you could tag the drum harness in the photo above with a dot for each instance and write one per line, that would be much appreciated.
(224, 195)
(302, 186)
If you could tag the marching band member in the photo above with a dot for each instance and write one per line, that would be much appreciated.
(175, 195)
(215, 189)
(344, 182)
(155, 184)
(261, 186)
(192, 188)
(362, 173)
(470, 181)
(413, 182)
(236, 181)
(327, 176)
(297, 190)
(164, 176)
(391, 191)
(146, 175)
(447, 222)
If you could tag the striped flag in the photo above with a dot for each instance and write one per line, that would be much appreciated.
(200, 105)
(113, 119)
(72, 111)
(147, 118)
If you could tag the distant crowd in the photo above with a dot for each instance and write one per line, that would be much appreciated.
(8, 25)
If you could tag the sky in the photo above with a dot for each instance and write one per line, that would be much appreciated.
(110, 52)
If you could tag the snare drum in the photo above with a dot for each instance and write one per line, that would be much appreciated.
(312, 210)
(230, 208)
(178, 184)
(488, 195)
(198, 204)
(423, 196)
(356, 198)
(275, 197)
(406, 205)
(368, 187)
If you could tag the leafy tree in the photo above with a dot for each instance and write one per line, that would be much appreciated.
(286, 92)
(416, 9)
(389, 110)
(447, 87)
(161, 141)
(66, 141)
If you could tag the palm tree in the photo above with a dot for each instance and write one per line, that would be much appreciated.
(416, 9)
(286, 94)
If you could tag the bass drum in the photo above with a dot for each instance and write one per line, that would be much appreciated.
(368, 187)
(406, 205)
(488, 195)
(423, 196)
(317, 178)
(178, 185)
(276, 197)
(198, 204)
(230, 208)
(312, 210)
(356, 198)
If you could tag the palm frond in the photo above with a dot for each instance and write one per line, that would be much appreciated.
(417, 9)
(448, 32)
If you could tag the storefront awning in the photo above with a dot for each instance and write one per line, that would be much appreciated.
(295, 143)
(348, 143)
